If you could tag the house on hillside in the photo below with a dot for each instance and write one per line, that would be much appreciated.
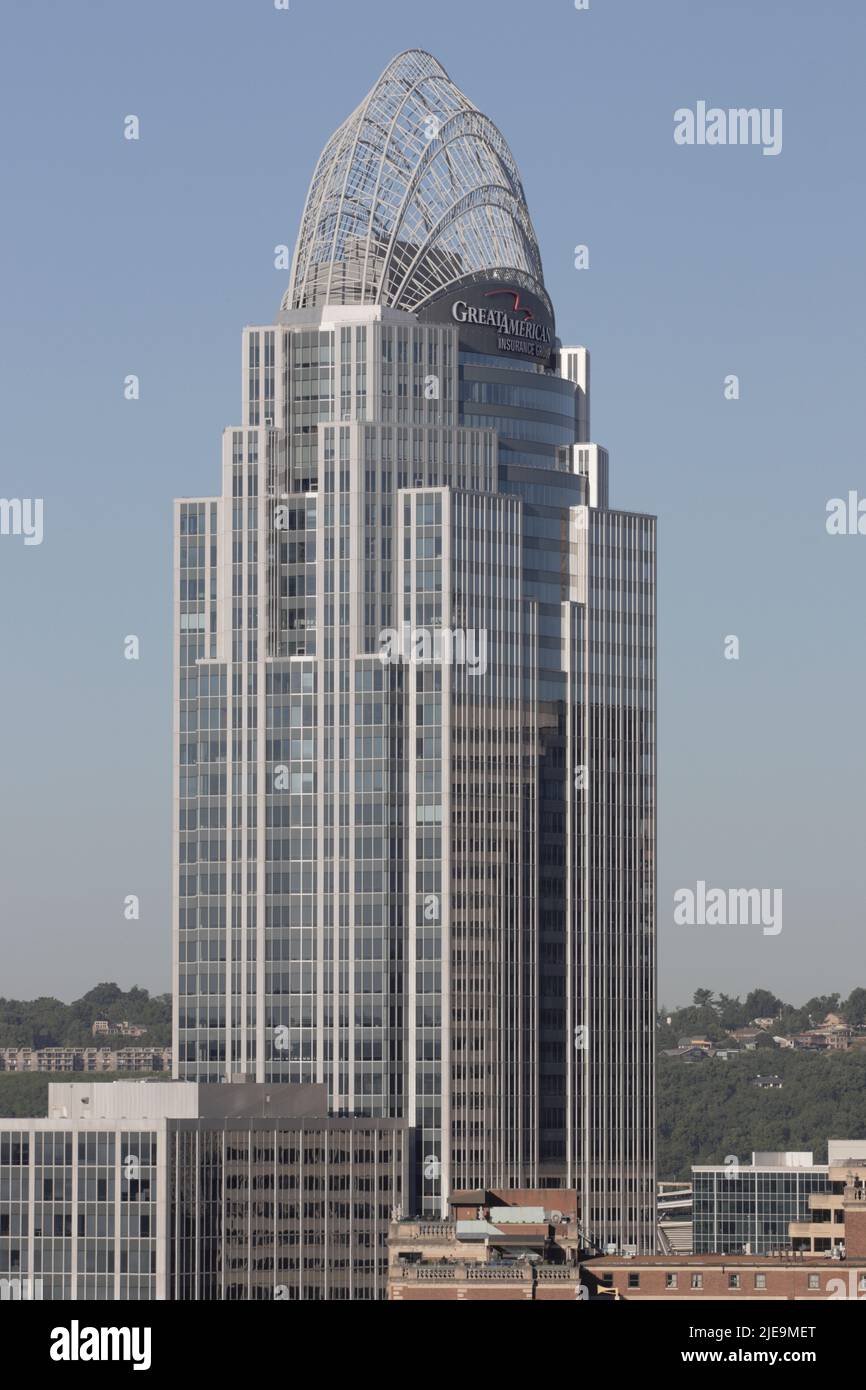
(747, 1037)
(687, 1054)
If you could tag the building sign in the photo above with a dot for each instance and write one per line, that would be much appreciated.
(497, 319)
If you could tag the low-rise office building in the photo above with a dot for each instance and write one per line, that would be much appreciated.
(181, 1190)
(838, 1273)
(748, 1208)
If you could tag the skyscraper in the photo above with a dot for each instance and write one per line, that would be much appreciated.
(415, 693)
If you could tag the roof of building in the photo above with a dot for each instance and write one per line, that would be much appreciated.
(151, 1100)
(416, 193)
(783, 1260)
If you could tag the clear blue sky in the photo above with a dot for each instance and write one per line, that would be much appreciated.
(149, 257)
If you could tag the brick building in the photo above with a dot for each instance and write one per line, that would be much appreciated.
(788, 1275)
(512, 1245)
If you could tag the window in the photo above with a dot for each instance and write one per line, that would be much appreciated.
(670, 1281)
(760, 1281)
(634, 1281)
(697, 1281)
(814, 1281)
(733, 1281)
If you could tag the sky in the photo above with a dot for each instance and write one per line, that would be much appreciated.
(148, 257)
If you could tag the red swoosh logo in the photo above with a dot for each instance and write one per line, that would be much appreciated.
(517, 306)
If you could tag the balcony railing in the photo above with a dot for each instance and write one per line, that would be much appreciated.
(498, 1272)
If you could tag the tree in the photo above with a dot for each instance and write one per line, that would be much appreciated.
(854, 1009)
(730, 1011)
(103, 995)
(762, 1004)
(822, 1005)
(51, 1023)
(702, 997)
(708, 1111)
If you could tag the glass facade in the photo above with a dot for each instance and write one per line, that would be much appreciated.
(274, 1211)
(749, 1209)
(198, 1209)
(78, 1212)
(415, 685)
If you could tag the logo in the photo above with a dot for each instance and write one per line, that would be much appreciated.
(517, 327)
(717, 907)
(714, 125)
(77, 1343)
(422, 646)
(515, 294)
(504, 320)
(497, 318)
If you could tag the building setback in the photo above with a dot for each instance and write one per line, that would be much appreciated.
(415, 694)
(169, 1190)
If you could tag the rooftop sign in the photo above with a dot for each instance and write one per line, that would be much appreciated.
(497, 319)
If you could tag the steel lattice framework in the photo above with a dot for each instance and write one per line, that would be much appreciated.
(415, 193)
